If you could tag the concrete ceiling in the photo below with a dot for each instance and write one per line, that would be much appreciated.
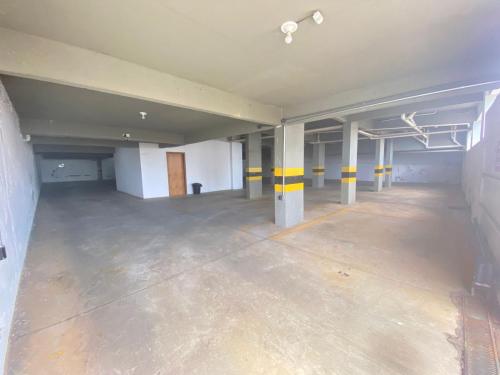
(42, 100)
(237, 46)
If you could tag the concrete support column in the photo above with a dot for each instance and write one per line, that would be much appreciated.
(253, 167)
(389, 152)
(379, 164)
(349, 163)
(318, 165)
(272, 165)
(289, 175)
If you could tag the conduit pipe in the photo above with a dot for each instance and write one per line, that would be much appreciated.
(411, 122)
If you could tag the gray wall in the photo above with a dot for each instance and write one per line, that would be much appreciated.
(19, 188)
(66, 170)
(108, 169)
(481, 178)
(419, 167)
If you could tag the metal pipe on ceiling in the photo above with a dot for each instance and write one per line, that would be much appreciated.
(423, 126)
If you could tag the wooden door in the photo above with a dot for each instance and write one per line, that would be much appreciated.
(176, 174)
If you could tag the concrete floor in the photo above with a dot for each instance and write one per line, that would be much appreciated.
(208, 285)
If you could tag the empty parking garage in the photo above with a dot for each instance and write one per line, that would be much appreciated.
(249, 188)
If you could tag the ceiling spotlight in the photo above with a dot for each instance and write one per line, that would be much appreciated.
(318, 17)
(288, 28)
(143, 115)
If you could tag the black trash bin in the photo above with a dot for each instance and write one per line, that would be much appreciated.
(197, 188)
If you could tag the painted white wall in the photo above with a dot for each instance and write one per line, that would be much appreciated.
(143, 172)
(153, 170)
(128, 171)
(236, 165)
(108, 169)
(19, 189)
(71, 170)
(213, 163)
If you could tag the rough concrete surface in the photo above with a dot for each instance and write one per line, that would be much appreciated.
(209, 285)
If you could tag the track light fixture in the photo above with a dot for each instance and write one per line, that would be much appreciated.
(289, 27)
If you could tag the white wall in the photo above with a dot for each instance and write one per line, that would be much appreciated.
(153, 170)
(215, 164)
(142, 171)
(19, 188)
(108, 169)
(236, 165)
(128, 171)
(71, 170)
(481, 178)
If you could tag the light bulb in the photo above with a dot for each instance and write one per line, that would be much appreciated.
(288, 38)
(318, 17)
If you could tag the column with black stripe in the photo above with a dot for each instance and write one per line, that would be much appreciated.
(253, 166)
(349, 163)
(289, 175)
(379, 165)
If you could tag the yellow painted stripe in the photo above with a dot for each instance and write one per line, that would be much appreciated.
(254, 169)
(289, 188)
(388, 166)
(388, 172)
(319, 167)
(379, 167)
(378, 174)
(319, 173)
(254, 178)
(347, 180)
(289, 172)
(349, 169)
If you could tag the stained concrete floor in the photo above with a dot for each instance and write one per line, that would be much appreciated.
(208, 285)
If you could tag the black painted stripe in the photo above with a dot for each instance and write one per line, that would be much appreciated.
(388, 169)
(348, 174)
(253, 174)
(290, 180)
(379, 170)
(318, 170)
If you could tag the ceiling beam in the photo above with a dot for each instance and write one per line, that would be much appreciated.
(429, 86)
(68, 141)
(223, 132)
(51, 128)
(39, 58)
(44, 148)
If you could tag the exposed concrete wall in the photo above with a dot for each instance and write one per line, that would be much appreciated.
(481, 179)
(19, 189)
(444, 168)
(108, 169)
(128, 171)
(66, 170)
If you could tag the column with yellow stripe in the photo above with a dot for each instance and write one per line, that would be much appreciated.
(349, 163)
(379, 165)
(318, 165)
(253, 166)
(289, 175)
(389, 152)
